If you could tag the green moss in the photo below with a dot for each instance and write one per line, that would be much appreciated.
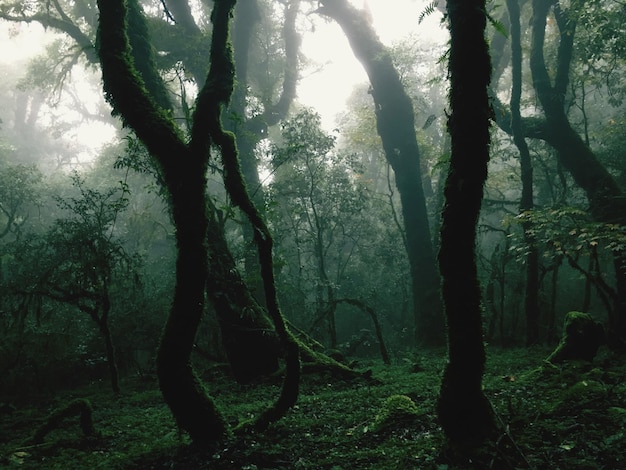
(330, 427)
(397, 409)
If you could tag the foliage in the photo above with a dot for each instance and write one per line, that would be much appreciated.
(568, 232)
(428, 10)
(317, 198)
(329, 224)
(77, 262)
(601, 46)
(18, 193)
(80, 253)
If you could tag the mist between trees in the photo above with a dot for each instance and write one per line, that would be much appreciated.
(167, 203)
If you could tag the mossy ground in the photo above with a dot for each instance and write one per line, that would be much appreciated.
(565, 417)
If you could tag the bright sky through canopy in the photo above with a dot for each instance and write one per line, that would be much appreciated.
(327, 82)
(327, 89)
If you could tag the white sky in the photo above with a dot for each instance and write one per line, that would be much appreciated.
(20, 42)
(328, 90)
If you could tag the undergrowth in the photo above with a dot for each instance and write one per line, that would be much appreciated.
(550, 417)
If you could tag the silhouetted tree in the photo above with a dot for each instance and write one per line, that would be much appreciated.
(464, 411)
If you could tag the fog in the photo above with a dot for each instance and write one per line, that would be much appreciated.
(393, 223)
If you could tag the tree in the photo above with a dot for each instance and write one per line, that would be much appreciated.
(78, 260)
(553, 87)
(605, 197)
(531, 298)
(464, 411)
(17, 193)
(183, 167)
(395, 124)
(323, 208)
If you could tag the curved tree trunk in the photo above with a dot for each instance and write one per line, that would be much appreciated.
(464, 412)
(184, 172)
(395, 123)
(384, 354)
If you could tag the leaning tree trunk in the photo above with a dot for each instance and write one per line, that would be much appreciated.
(395, 123)
(464, 411)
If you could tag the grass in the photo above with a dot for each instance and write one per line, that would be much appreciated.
(567, 417)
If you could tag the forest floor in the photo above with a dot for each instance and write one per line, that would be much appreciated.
(571, 416)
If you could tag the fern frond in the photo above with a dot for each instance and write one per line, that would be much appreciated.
(499, 27)
(428, 10)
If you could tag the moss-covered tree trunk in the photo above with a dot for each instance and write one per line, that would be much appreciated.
(606, 199)
(395, 123)
(241, 317)
(183, 170)
(242, 320)
(463, 410)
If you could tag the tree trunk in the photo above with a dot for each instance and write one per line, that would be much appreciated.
(242, 320)
(464, 411)
(395, 123)
(103, 325)
(531, 297)
(184, 172)
(384, 354)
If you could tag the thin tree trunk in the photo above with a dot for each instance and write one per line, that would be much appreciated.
(103, 325)
(552, 336)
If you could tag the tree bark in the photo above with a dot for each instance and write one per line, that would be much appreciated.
(464, 412)
(395, 123)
